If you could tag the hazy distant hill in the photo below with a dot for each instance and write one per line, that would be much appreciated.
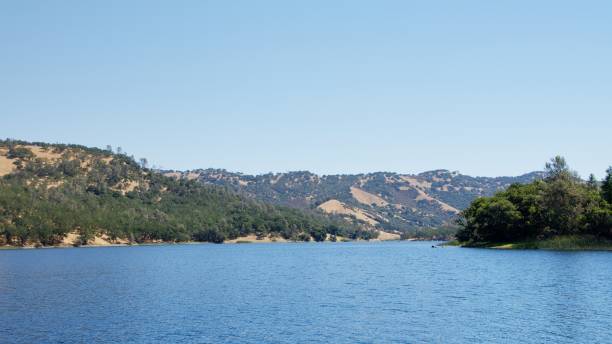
(389, 200)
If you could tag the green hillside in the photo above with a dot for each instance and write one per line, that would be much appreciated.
(51, 191)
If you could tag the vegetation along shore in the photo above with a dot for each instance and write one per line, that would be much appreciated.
(560, 211)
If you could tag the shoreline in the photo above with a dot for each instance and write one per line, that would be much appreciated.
(237, 241)
(71, 240)
(558, 243)
(230, 242)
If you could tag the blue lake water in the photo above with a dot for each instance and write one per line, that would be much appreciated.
(394, 292)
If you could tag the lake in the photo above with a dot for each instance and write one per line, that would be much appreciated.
(383, 292)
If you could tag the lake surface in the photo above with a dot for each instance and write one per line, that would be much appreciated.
(394, 292)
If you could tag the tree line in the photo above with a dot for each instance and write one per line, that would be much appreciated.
(559, 204)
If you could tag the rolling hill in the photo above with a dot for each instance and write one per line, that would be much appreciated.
(389, 201)
(55, 194)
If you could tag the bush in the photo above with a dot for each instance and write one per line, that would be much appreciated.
(209, 235)
(19, 153)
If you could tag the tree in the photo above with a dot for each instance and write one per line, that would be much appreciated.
(492, 219)
(606, 186)
(557, 168)
(209, 235)
(527, 200)
(19, 153)
(318, 234)
(592, 182)
(562, 204)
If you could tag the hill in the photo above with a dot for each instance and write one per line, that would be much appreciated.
(53, 194)
(385, 200)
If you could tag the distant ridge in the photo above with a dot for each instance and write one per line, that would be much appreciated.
(387, 200)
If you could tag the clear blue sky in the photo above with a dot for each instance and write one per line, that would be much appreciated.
(483, 87)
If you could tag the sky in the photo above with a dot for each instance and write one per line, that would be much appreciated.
(487, 88)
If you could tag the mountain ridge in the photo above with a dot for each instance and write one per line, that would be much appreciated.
(388, 200)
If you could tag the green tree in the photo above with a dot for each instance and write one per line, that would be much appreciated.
(492, 219)
(562, 204)
(606, 186)
(19, 153)
(592, 182)
(557, 168)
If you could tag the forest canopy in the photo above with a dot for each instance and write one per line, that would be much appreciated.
(560, 204)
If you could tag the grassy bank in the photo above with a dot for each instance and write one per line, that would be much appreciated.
(564, 243)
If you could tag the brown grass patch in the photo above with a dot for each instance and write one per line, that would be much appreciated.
(365, 197)
(334, 206)
(6, 165)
